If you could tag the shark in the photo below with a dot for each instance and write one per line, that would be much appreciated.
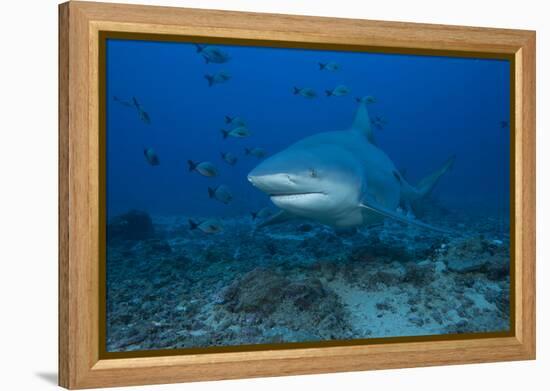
(342, 179)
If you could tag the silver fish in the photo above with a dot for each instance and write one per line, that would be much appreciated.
(329, 66)
(366, 99)
(235, 121)
(144, 116)
(151, 156)
(123, 102)
(217, 78)
(240, 132)
(212, 54)
(306, 92)
(220, 193)
(379, 122)
(340, 90)
(229, 158)
(258, 152)
(203, 168)
(209, 226)
(142, 113)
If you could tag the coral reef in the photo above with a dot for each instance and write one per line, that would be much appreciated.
(176, 288)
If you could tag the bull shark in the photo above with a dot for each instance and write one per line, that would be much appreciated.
(341, 179)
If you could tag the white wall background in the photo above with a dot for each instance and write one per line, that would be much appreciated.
(28, 193)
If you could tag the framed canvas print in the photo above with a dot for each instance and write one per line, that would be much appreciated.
(249, 195)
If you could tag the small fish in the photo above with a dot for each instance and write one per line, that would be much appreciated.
(209, 226)
(366, 99)
(379, 122)
(203, 168)
(240, 132)
(144, 116)
(122, 102)
(229, 158)
(142, 113)
(217, 78)
(263, 213)
(151, 156)
(504, 124)
(212, 54)
(340, 90)
(258, 152)
(220, 193)
(329, 66)
(235, 121)
(306, 92)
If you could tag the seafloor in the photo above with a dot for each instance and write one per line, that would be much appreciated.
(170, 287)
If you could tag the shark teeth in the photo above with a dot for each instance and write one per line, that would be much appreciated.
(295, 196)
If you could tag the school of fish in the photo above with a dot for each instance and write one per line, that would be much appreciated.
(235, 127)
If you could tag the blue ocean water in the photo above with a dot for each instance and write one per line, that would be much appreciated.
(433, 108)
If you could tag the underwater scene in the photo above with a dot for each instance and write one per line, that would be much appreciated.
(263, 195)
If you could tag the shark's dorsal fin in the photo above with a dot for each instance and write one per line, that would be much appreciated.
(362, 123)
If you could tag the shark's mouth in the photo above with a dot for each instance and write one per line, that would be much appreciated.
(295, 196)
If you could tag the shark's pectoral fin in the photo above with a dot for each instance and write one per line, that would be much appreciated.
(278, 218)
(383, 211)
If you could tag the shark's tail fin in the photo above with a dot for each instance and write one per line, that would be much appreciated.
(296, 90)
(225, 133)
(426, 185)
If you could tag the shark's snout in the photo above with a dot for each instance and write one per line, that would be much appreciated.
(273, 183)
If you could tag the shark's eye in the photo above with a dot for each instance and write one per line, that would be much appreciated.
(312, 173)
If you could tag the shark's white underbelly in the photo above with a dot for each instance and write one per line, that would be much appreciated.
(353, 218)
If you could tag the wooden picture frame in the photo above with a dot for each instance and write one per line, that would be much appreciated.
(81, 364)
